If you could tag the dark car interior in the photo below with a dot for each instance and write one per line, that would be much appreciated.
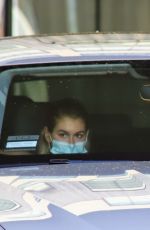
(118, 107)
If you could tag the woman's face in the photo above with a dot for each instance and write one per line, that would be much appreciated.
(70, 130)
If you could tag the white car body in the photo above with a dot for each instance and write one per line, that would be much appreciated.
(74, 193)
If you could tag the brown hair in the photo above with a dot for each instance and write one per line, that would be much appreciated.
(70, 107)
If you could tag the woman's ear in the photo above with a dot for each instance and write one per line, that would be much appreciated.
(47, 135)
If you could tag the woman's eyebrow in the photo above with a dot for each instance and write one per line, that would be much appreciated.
(63, 131)
(80, 132)
(66, 132)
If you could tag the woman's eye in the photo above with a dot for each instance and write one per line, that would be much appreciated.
(64, 135)
(80, 135)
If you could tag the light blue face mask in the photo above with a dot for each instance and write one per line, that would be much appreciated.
(60, 147)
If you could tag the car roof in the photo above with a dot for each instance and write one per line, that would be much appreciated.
(73, 48)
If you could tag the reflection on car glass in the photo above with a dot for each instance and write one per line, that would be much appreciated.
(17, 142)
(96, 69)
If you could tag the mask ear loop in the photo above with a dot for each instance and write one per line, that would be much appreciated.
(87, 136)
(51, 140)
(87, 144)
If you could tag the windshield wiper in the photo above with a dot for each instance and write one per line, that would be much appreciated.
(59, 161)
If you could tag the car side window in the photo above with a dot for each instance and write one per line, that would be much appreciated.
(118, 112)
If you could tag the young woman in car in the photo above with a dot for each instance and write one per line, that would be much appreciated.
(67, 131)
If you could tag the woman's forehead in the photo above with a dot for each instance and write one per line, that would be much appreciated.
(70, 124)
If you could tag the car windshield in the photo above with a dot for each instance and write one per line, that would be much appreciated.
(115, 95)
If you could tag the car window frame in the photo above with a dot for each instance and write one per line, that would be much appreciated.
(9, 75)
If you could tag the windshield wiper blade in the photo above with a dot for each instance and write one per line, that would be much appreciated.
(58, 161)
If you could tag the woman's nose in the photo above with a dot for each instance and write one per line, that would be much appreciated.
(71, 140)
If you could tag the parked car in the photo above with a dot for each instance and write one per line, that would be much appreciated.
(104, 188)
